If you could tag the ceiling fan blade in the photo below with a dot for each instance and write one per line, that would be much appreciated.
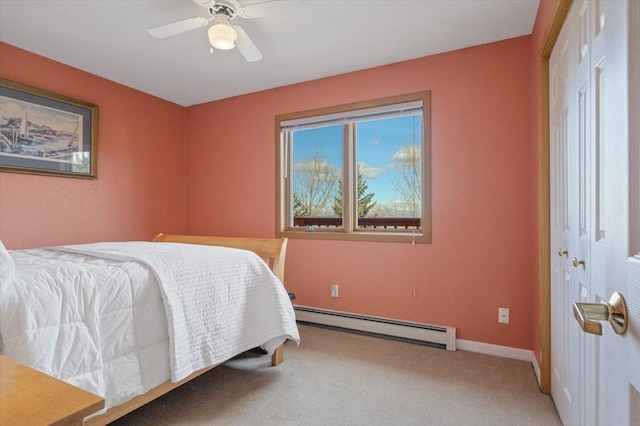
(164, 31)
(261, 8)
(246, 46)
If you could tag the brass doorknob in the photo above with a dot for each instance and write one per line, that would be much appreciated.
(614, 311)
(562, 252)
(577, 262)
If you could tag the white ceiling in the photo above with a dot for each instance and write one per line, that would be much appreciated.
(300, 41)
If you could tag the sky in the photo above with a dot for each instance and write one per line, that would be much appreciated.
(379, 142)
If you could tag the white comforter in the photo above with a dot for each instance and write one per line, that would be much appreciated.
(118, 319)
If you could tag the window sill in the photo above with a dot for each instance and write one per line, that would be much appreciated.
(386, 236)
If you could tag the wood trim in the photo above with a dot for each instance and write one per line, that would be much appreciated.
(354, 106)
(551, 37)
(553, 30)
(347, 233)
(271, 250)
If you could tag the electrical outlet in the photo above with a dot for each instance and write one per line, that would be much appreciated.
(334, 290)
(503, 315)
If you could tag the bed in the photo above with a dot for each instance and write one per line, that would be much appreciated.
(131, 321)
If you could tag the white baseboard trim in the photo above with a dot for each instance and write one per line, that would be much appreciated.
(536, 368)
(502, 351)
(441, 335)
(496, 350)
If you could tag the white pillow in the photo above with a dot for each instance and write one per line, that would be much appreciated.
(7, 265)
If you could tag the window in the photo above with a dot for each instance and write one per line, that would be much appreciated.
(356, 172)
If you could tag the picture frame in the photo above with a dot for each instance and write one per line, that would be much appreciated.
(47, 134)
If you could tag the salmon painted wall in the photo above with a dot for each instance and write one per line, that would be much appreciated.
(543, 21)
(483, 218)
(140, 190)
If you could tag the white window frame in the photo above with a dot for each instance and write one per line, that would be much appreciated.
(345, 114)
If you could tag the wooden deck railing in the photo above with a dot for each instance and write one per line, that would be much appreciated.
(363, 222)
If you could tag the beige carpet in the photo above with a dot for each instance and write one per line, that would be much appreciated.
(338, 378)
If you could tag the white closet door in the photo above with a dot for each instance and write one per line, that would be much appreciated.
(595, 210)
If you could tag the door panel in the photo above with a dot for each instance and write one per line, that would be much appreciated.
(599, 207)
(562, 334)
(633, 261)
(595, 209)
(622, 361)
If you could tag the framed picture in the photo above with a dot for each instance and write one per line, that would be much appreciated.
(46, 134)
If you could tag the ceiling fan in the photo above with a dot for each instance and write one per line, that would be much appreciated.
(222, 35)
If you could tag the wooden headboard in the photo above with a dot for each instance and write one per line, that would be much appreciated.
(271, 250)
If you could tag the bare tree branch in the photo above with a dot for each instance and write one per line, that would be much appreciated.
(407, 178)
(315, 181)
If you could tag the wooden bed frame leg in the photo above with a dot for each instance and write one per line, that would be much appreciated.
(278, 356)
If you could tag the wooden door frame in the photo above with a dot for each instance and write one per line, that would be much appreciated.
(550, 38)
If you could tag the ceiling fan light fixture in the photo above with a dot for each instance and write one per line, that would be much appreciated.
(222, 36)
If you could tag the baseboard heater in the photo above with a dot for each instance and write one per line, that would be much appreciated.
(427, 334)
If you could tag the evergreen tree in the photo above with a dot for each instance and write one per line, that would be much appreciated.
(299, 210)
(365, 201)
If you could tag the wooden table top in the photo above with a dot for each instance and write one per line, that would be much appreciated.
(29, 397)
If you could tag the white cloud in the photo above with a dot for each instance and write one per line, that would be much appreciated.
(406, 152)
(315, 162)
(370, 172)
